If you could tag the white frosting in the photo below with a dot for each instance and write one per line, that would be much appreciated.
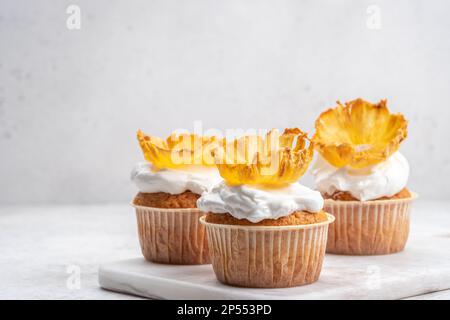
(196, 179)
(258, 203)
(381, 180)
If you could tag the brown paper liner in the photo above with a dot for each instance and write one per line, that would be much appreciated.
(368, 227)
(267, 257)
(172, 236)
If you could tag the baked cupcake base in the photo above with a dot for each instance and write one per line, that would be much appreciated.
(267, 256)
(183, 200)
(369, 227)
(171, 235)
(296, 218)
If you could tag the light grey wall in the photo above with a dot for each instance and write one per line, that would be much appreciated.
(71, 100)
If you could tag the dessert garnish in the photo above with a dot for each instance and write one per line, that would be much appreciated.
(178, 150)
(275, 160)
(359, 134)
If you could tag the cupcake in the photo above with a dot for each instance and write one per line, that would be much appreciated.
(363, 178)
(264, 228)
(176, 172)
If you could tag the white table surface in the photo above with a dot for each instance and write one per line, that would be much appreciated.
(39, 244)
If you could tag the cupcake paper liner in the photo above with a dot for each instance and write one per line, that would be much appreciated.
(368, 227)
(172, 236)
(267, 257)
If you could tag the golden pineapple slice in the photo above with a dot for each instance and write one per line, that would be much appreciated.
(178, 150)
(359, 134)
(275, 160)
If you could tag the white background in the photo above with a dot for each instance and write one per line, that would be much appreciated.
(71, 100)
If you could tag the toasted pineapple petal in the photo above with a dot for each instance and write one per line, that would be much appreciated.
(273, 160)
(178, 150)
(359, 133)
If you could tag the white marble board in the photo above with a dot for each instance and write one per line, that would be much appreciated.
(423, 267)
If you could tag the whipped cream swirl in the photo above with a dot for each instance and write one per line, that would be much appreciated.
(197, 179)
(259, 203)
(384, 179)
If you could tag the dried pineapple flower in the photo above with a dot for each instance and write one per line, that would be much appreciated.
(178, 150)
(275, 160)
(359, 134)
